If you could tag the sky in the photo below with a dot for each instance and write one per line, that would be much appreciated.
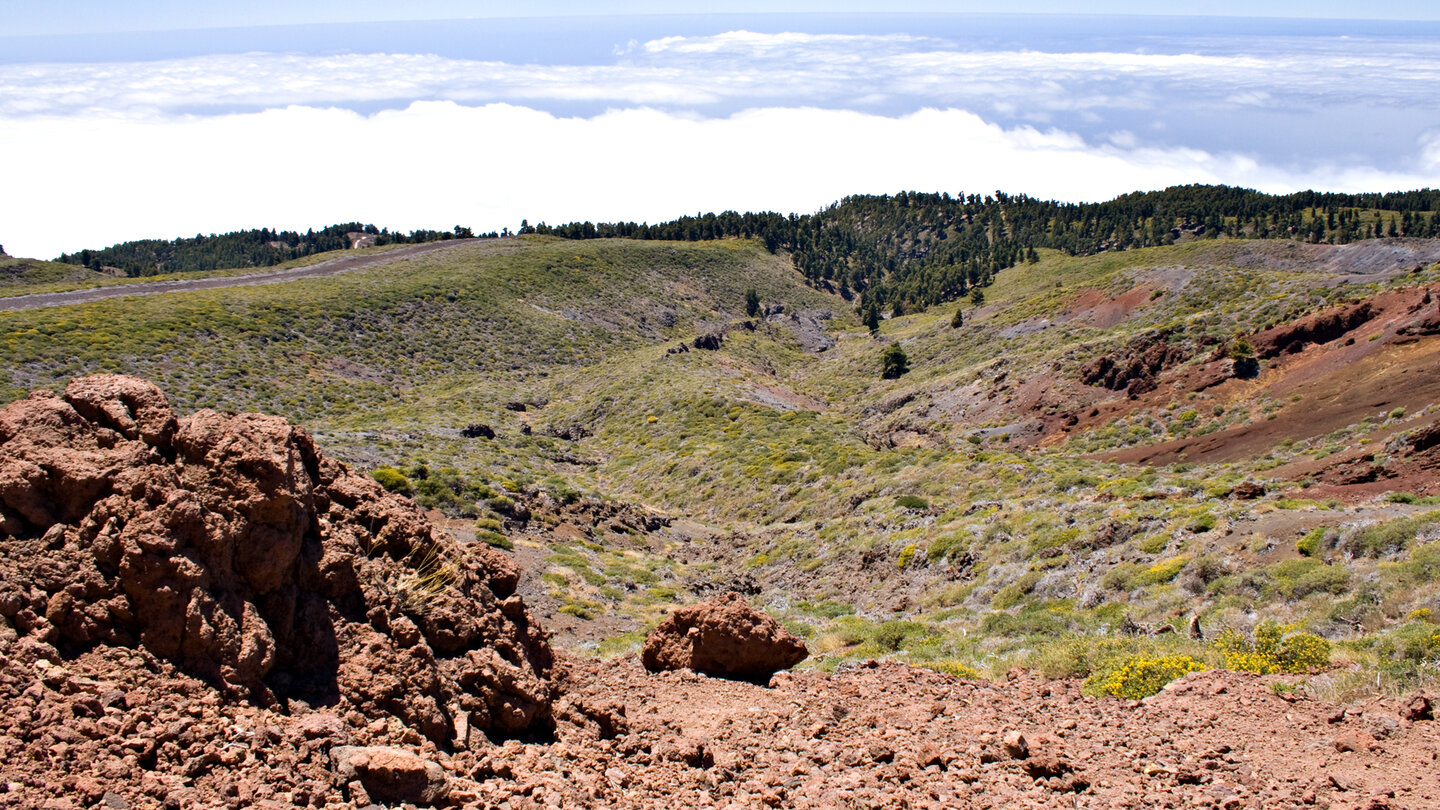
(165, 119)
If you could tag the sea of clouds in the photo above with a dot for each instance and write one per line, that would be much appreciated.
(116, 150)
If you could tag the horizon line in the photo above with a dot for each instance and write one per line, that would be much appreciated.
(760, 14)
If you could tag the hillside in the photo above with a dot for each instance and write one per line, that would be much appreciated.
(914, 250)
(261, 247)
(18, 274)
(1109, 470)
(972, 511)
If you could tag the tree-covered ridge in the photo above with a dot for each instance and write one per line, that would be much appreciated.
(253, 248)
(919, 249)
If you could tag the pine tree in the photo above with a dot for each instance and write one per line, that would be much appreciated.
(871, 318)
(957, 321)
(752, 302)
(893, 362)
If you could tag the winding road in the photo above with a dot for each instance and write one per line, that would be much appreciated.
(329, 267)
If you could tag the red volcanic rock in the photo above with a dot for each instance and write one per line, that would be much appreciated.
(1417, 706)
(391, 774)
(724, 637)
(1320, 327)
(231, 546)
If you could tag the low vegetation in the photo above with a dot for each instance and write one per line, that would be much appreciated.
(934, 514)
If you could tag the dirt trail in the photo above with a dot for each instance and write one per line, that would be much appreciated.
(329, 267)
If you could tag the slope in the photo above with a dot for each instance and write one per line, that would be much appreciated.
(651, 444)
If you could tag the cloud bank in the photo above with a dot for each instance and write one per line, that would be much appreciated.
(95, 153)
(439, 163)
(750, 69)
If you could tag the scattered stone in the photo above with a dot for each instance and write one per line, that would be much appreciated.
(1046, 766)
(1356, 740)
(1381, 726)
(1248, 490)
(1015, 745)
(1417, 707)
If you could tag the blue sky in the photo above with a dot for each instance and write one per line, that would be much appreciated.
(311, 113)
(76, 16)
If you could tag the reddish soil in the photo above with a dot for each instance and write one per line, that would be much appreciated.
(329, 267)
(115, 729)
(1097, 309)
(1332, 394)
(888, 735)
(1327, 378)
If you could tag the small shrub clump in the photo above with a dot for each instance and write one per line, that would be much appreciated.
(894, 635)
(1141, 676)
(959, 670)
(907, 555)
(1273, 649)
(393, 480)
(495, 539)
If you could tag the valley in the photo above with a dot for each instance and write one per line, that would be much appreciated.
(1133, 454)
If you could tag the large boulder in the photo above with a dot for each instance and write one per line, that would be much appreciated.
(230, 545)
(724, 637)
(391, 774)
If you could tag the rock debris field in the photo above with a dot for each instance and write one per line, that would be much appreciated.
(205, 611)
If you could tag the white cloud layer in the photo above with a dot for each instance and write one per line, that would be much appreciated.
(437, 164)
(752, 69)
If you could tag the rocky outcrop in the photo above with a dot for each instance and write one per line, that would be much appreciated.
(725, 637)
(1321, 327)
(231, 546)
(1135, 368)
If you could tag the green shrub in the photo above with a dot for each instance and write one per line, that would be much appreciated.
(1386, 538)
(1141, 676)
(1411, 648)
(950, 545)
(894, 635)
(1424, 563)
(1297, 579)
(912, 502)
(495, 539)
(828, 609)
(1012, 594)
(1202, 523)
(393, 480)
(1164, 571)
(1273, 649)
(1031, 620)
(579, 611)
(1309, 545)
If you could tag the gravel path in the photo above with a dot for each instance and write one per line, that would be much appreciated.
(329, 267)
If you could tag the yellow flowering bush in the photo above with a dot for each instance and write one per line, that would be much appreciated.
(955, 668)
(1141, 676)
(1273, 649)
